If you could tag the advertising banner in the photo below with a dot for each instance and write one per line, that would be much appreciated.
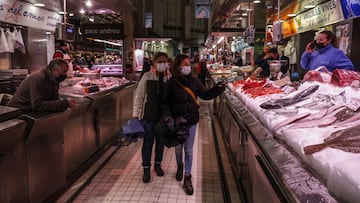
(324, 14)
(25, 14)
(351, 8)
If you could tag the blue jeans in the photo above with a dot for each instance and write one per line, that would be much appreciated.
(188, 148)
(149, 136)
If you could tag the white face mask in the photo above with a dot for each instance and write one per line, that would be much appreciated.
(186, 70)
(161, 67)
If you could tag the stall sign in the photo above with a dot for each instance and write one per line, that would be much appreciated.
(103, 31)
(322, 15)
(351, 8)
(25, 14)
(202, 9)
(148, 20)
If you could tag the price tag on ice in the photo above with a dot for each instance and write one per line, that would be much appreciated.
(353, 104)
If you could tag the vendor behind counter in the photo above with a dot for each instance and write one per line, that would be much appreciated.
(39, 91)
(264, 69)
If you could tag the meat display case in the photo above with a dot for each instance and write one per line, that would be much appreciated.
(114, 70)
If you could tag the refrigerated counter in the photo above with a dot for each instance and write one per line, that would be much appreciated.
(93, 124)
(43, 153)
(267, 170)
(13, 186)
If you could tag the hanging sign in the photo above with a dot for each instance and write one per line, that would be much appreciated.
(202, 9)
(351, 8)
(322, 15)
(148, 20)
(25, 14)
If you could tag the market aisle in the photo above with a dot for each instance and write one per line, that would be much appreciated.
(120, 180)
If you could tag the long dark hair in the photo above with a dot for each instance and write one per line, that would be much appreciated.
(330, 36)
(175, 69)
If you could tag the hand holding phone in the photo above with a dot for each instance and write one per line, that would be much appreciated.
(313, 44)
(310, 47)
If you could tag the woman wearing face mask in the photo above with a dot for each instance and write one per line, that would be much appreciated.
(147, 107)
(181, 104)
(324, 53)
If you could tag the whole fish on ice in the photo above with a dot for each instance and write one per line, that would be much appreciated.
(279, 103)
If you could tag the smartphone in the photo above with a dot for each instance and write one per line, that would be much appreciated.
(313, 44)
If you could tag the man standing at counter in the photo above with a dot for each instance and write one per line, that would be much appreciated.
(264, 69)
(39, 91)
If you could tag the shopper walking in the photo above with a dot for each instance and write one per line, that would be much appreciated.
(181, 94)
(324, 53)
(147, 107)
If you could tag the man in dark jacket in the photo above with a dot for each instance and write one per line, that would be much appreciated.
(262, 57)
(39, 91)
(273, 54)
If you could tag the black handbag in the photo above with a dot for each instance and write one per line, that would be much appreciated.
(170, 133)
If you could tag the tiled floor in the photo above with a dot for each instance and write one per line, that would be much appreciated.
(120, 180)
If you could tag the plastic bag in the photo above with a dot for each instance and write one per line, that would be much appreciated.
(131, 131)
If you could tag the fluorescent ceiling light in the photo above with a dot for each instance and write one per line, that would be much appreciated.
(244, 14)
(48, 33)
(61, 12)
(39, 4)
(256, 1)
(108, 42)
(88, 3)
(91, 19)
(309, 6)
(71, 14)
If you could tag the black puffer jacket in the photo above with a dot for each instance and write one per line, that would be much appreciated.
(180, 103)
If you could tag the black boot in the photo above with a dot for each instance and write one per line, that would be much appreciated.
(146, 177)
(188, 185)
(179, 172)
(159, 171)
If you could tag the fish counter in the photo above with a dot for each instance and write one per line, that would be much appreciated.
(298, 145)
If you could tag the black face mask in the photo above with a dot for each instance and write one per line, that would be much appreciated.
(60, 78)
(320, 45)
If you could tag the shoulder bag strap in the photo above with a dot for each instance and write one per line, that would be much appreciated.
(189, 91)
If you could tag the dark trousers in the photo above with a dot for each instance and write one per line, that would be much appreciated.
(149, 137)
